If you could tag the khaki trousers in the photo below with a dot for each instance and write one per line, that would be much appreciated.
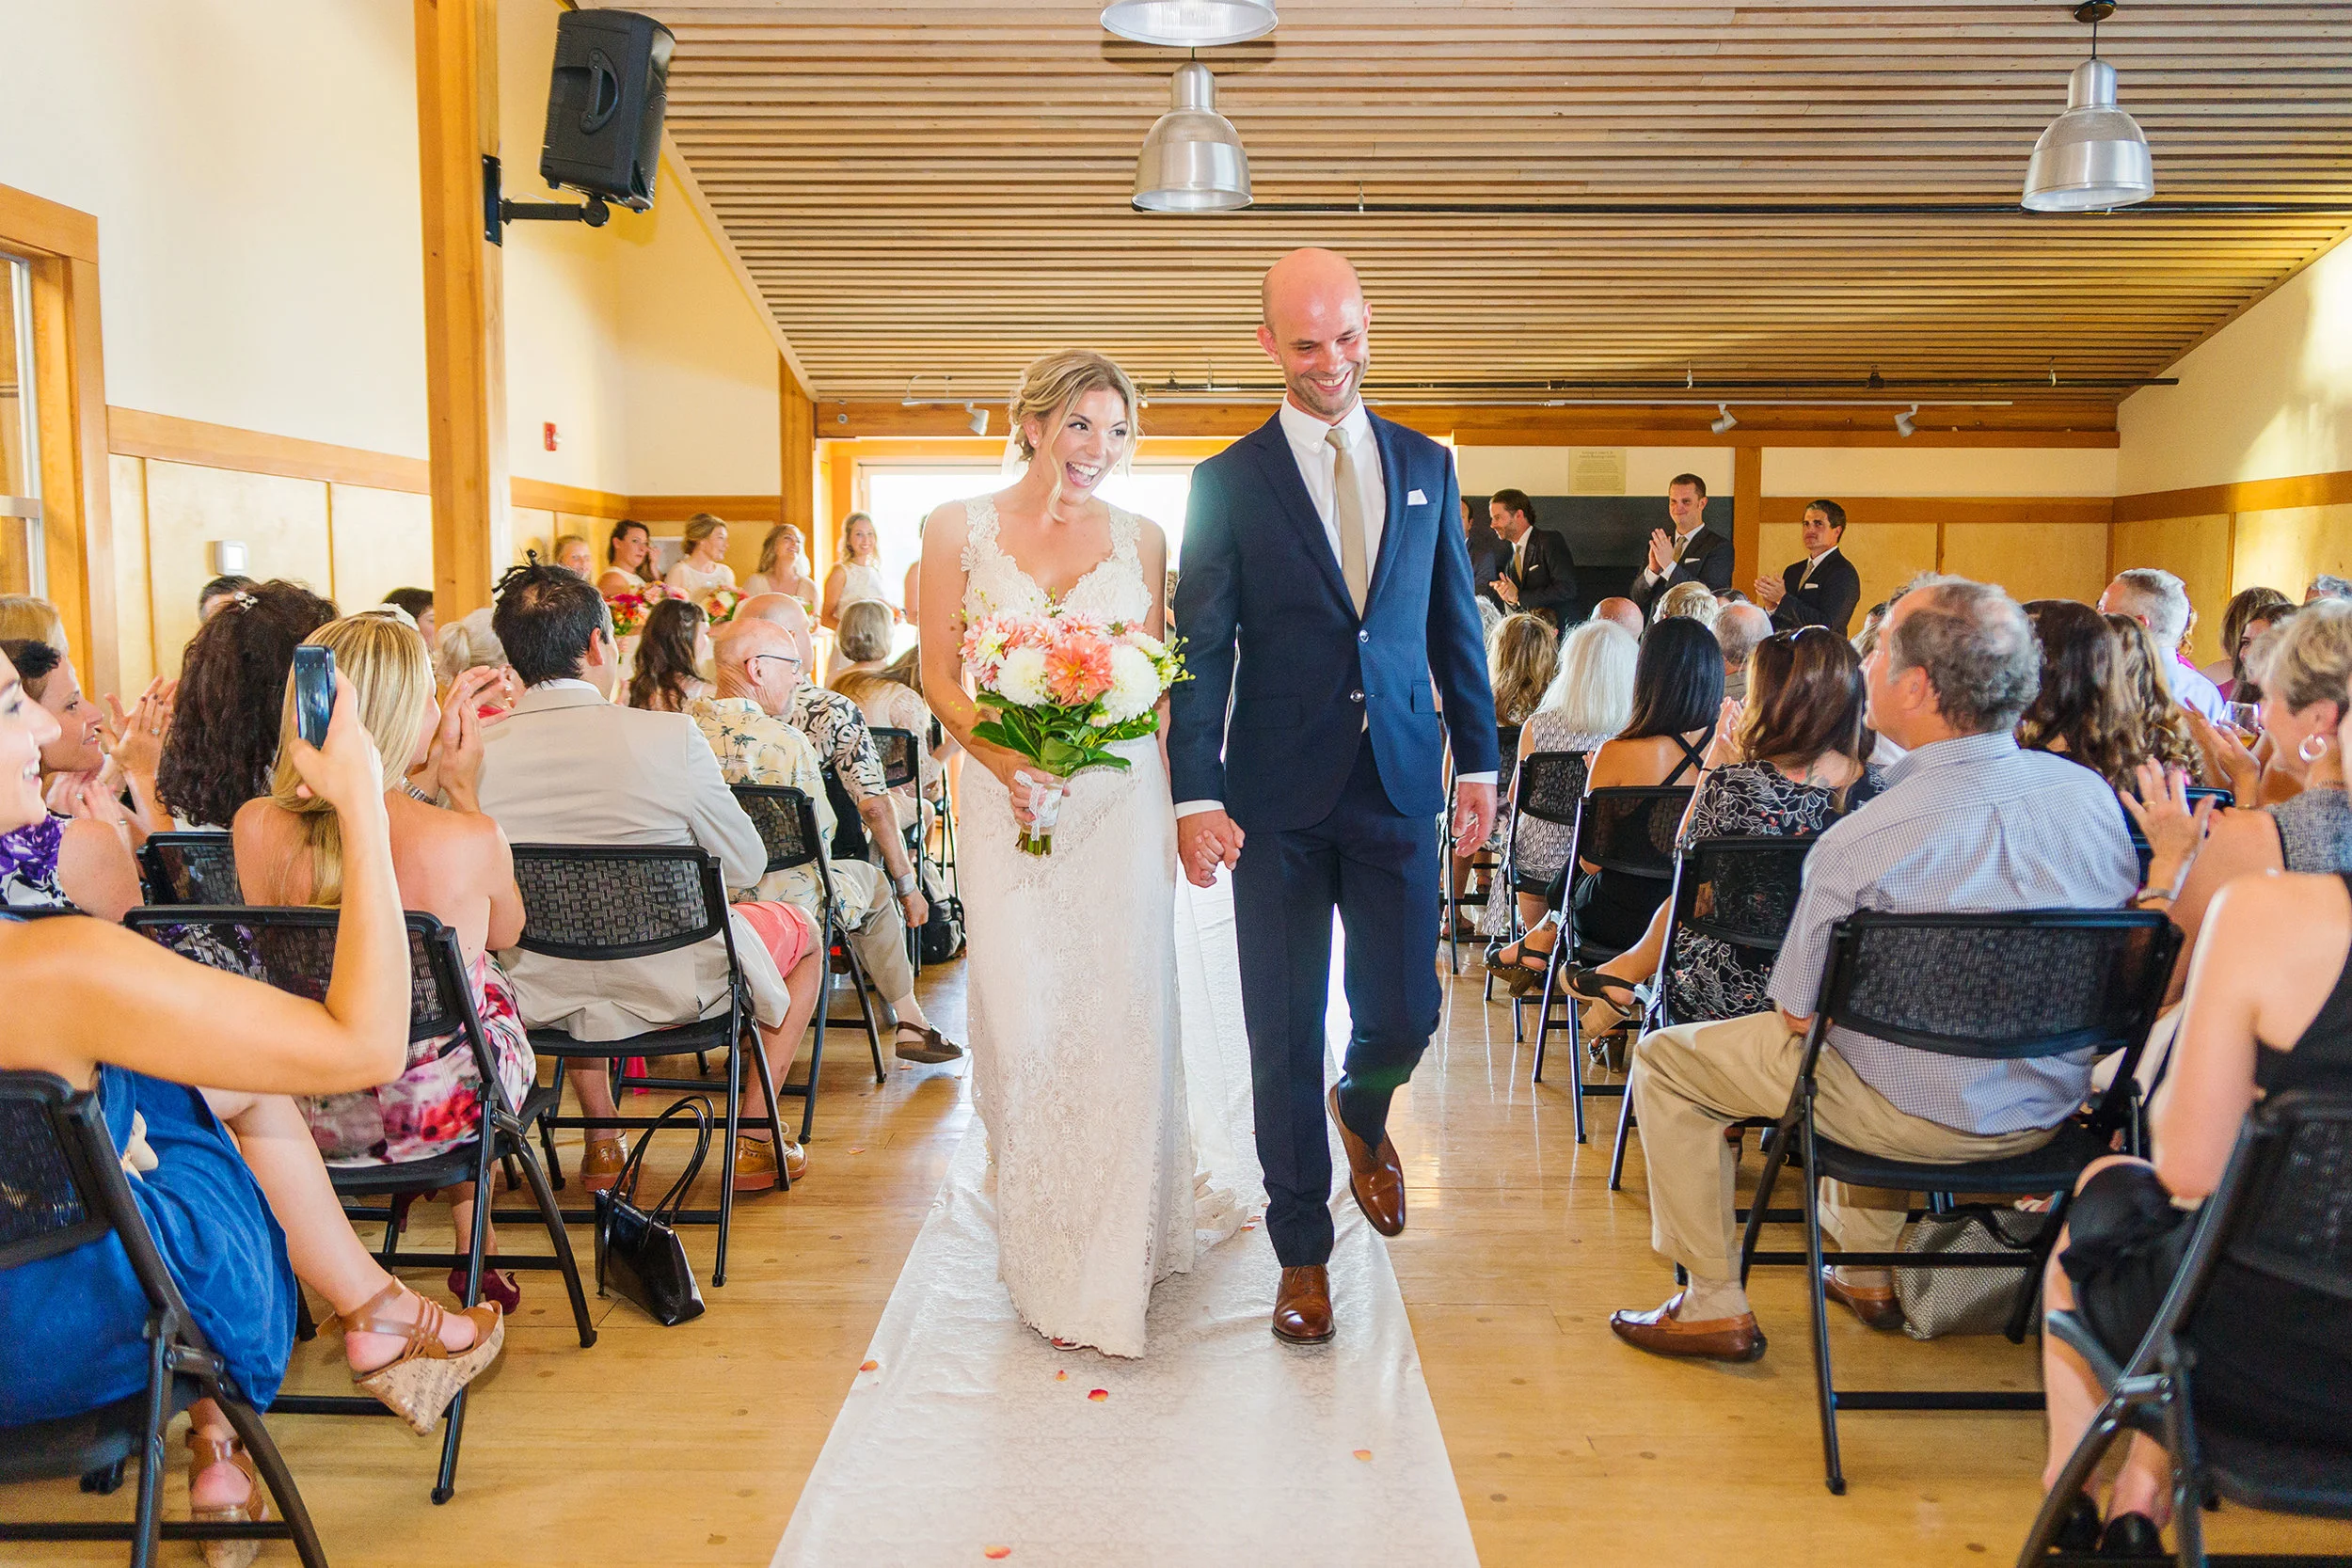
(878, 932)
(1690, 1082)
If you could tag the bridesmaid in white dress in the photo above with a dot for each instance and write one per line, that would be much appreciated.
(1077, 1058)
(704, 567)
(625, 556)
(856, 577)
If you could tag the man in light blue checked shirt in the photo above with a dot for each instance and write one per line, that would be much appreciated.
(1967, 823)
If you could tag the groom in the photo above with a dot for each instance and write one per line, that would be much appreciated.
(1324, 550)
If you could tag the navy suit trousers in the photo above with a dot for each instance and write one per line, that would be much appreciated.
(1377, 867)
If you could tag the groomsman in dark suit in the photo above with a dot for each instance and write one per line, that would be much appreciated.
(1485, 561)
(1691, 553)
(1540, 575)
(1823, 588)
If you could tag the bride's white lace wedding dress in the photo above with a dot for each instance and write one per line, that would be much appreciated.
(1077, 1059)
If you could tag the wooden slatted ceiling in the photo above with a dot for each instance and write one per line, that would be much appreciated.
(943, 189)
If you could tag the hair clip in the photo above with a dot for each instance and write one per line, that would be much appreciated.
(242, 600)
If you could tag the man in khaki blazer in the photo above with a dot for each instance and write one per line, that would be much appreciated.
(568, 766)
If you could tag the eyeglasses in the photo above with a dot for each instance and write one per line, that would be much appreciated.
(780, 658)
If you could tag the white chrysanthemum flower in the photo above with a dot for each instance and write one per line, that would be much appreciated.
(1020, 678)
(1135, 686)
(1147, 643)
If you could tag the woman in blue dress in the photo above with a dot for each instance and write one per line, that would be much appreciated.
(237, 1223)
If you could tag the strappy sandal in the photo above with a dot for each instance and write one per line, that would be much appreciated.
(204, 1451)
(1527, 974)
(1591, 985)
(417, 1384)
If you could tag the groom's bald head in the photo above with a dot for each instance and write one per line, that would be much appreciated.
(1316, 326)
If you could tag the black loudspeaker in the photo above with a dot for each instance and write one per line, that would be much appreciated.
(610, 88)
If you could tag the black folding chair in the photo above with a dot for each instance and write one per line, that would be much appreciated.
(2029, 985)
(1487, 862)
(1628, 832)
(62, 1187)
(1740, 892)
(294, 949)
(1548, 787)
(192, 867)
(608, 903)
(902, 752)
(786, 820)
(2279, 1209)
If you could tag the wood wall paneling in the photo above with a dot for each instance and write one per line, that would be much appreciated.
(380, 540)
(2195, 549)
(2285, 548)
(545, 496)
(797, 441)
(2032, 559)
(136, 433)
(283, 523)
(134, 599)
(2253, 495)
(1747, 514)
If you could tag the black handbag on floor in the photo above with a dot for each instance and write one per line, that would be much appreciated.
(639, 1255)
(941, 936)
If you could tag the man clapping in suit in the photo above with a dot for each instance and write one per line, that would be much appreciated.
(1823, 588)
(1540, 577)
(1693, 553)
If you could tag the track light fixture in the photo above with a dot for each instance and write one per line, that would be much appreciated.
(2093, 156)
(1903, 425)
(979, 420)
(1722, 421)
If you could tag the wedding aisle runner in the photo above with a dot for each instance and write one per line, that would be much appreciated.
(967, 1438)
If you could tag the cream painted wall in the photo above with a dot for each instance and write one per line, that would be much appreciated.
(1839, 471)
(1544, 470)
(253, 171)
(2267, 397)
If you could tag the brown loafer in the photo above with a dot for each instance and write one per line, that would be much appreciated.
(1302, 1305)
(1875, 1305)
(927, 1046)
(1711, 1339)
(755, 1163)
(1373, 1175)
(600, 1163)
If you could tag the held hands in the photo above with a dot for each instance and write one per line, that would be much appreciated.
(1473, 818)
(1209, 839)
(347, 772)
(1770, 592)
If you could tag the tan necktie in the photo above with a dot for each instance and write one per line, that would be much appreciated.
(1347, 510)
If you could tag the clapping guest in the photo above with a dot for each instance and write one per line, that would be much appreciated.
(671, 654)
(1539, 576)
(2248, 615)
(1967, 822)
(1691, 553)
(81, 854)
(98, 757)
(234, 1224)
(450, 861)
(704, 567)
(1823, 588)
(223, 741)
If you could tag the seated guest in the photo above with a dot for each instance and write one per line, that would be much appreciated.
(1823, 588)
(880, 691)
(451, 864)
(1621, 613)
(1678, 695)
(759, 668)
(1866, 639)
(1687, 601)
(95, 760)
(1588, 701)
(82, 855)
(1739, 629)
(218, 592)
(569, 766)
(474, 643)
(2247, 618)
(234, 1224)
(1691, 553)
(2082, 710)
(2326, 586)
(571, 552)
(2158, 600)
(1520, 665)
(1967, 822)
(223, 741)
(1790, 761)
(675, 644)
(2303, 667)
(417, 605)
(2159, 725)
(1539, 576)
(2269, 1009)
(26, 619)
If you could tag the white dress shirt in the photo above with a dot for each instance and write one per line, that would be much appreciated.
(1813, 565)
(1682, 541)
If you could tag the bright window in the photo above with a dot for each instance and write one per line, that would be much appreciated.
(901, 498)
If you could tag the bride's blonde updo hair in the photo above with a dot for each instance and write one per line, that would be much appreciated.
(1051, 385)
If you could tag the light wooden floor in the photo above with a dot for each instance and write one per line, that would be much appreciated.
(689, 1444)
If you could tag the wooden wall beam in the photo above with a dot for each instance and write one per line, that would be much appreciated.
(797, 447)
(464, 301)
(1947, 509)
(2252, 494)
(1747, 514)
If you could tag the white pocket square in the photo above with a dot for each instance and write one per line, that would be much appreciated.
(1414, 498)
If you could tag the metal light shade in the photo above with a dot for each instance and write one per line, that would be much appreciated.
(1192, 161)
(2093, 156)
(1189, 24)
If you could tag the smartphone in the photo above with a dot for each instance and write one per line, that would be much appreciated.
(314, 691)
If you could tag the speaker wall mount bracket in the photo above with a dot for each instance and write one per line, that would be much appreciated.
(496, 212)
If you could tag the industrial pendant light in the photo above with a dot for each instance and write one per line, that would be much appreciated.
(1189, 24)
(1193, 160)
(2093, 156)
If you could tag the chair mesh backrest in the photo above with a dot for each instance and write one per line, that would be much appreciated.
(1552, 785)
(899, 755)
(43, 1209)
(607, 902)
(1738, 890)
(1632, 830)
(2008, 986)
(294, 949)
(786, 820)
(1507, 750)
(2297, 1218)
(199, 867)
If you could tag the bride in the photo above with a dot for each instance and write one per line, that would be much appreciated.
(1078, 1067)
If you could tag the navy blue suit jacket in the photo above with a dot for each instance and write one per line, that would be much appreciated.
(1268, 622)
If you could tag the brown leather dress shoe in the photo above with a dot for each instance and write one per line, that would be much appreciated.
(601, 1163)
(1373, 1175)
(1302, 1305)
(755, 1163)
(1711, 1339)
(1875, 1305)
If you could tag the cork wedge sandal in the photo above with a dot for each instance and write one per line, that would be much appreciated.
(417, 1386)
(204, 1451)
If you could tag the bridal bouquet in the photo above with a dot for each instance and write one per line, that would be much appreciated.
(1061, 687)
